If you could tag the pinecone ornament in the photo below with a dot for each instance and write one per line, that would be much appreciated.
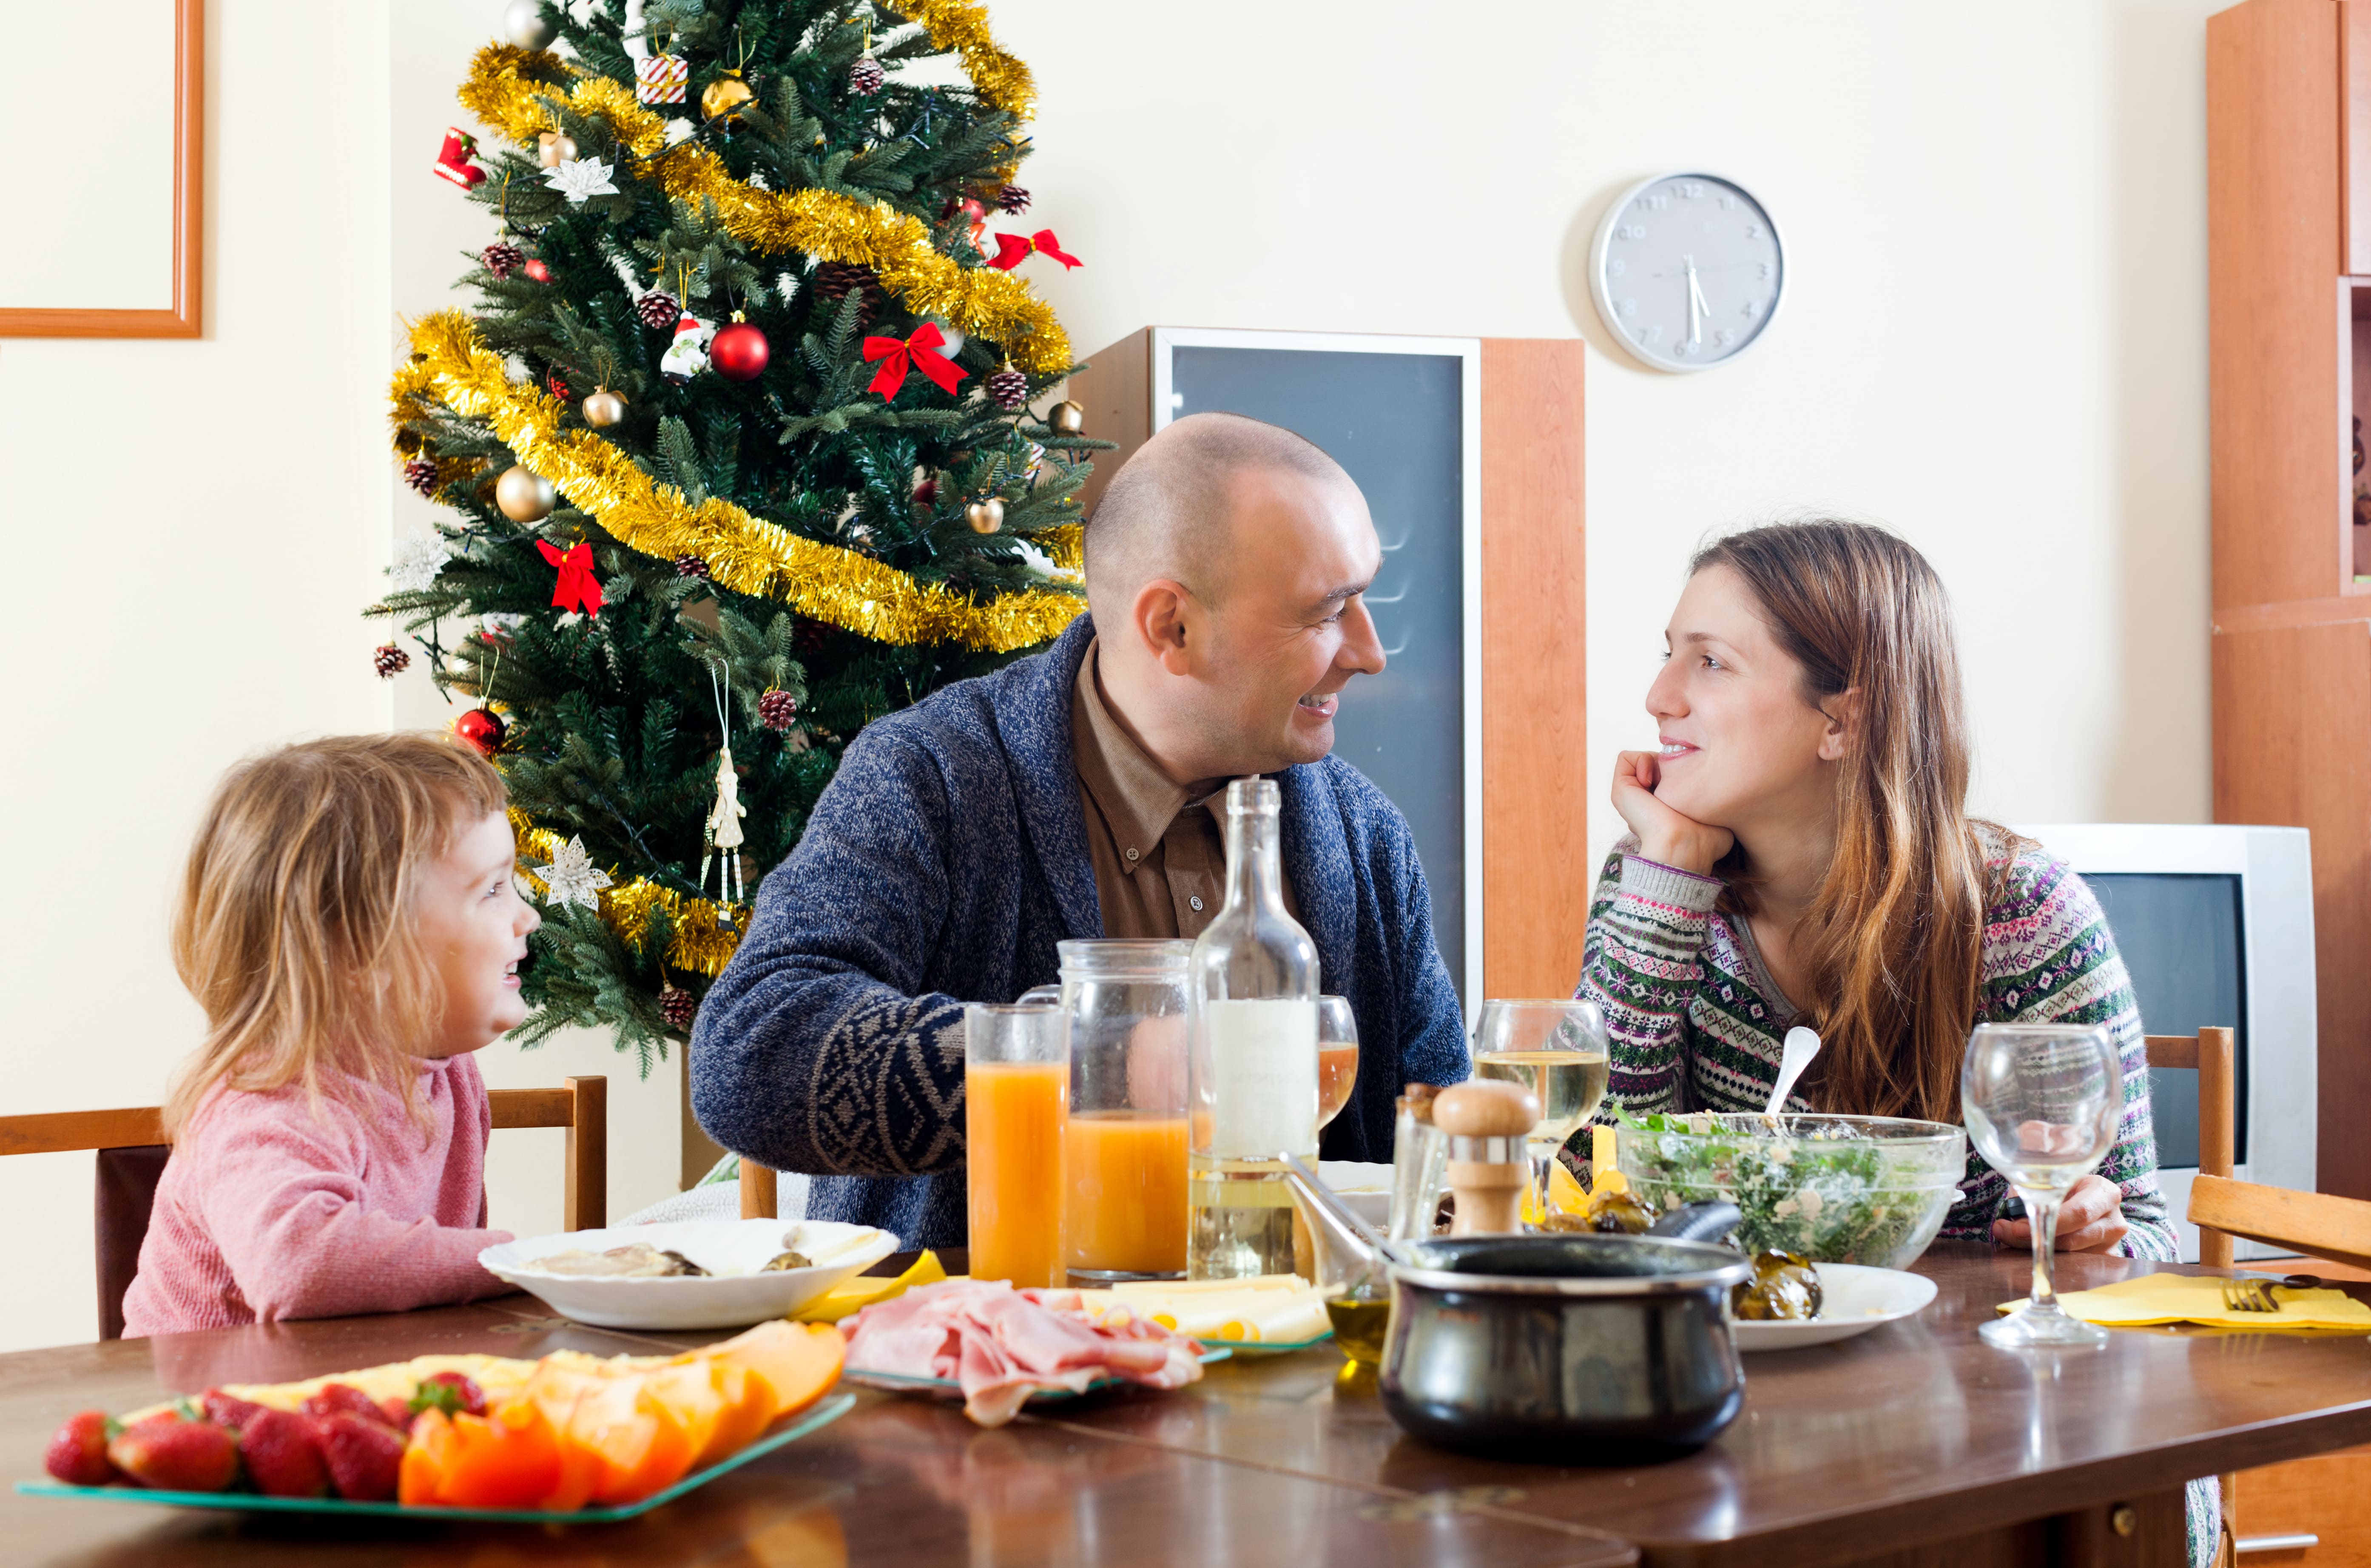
(691, 566)
(502, 258)
(866, 76)
(1009, 391)
(778, 710)
(390, 661)
(658, 310)
(1012, 199)
(833, 280)
(677, 1006)
(420, 475)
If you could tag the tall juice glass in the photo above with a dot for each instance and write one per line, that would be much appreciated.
(1017, 1099)
(1125, 1148)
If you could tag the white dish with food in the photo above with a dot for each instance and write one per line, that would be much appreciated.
(1364, 1187)
(1854, 1298)
(694, 1273)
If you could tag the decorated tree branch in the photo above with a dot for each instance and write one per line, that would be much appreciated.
(739, 443)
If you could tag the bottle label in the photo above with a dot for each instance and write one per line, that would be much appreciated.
(1264, 1068)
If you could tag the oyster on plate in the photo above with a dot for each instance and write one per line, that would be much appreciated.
(636, 1259)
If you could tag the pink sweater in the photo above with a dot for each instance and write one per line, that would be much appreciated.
(268, 1210)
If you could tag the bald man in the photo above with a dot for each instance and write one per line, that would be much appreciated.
(1079, 793)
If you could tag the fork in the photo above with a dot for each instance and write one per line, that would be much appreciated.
(2249, 1296)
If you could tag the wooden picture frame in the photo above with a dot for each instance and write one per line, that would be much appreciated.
(181, 319)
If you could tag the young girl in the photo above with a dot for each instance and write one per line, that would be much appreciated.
(349, 923)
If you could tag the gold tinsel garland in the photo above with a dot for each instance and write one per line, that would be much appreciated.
(699, 943)
(746, 553)
(981, 301)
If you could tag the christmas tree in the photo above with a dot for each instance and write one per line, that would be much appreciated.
(737, 445)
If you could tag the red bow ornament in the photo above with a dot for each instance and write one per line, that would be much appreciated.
(918, 351)
(576, 589)
(1012, 249)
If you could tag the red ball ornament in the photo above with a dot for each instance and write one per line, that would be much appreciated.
(740, 352)
(482, 728)
(536, 268)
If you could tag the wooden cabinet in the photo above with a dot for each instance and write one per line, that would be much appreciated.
(2289, 116)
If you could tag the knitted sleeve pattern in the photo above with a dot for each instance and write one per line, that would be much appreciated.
(1641, 962)
(2050, 958)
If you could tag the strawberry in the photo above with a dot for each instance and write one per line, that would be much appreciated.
(454, 1393)
(345, 1398)
(170, 1453)
(226, 1410)
(282, 1455)
(397, 1411)
(366, 1454)
(77, 1455)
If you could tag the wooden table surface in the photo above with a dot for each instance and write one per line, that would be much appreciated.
(1913, 1434)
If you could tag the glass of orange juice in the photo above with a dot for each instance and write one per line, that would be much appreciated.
(1337, 1056)
(1124, 1148)
(1016, 1098)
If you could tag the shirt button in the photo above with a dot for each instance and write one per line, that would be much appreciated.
(1196, 900)
(1131, 854)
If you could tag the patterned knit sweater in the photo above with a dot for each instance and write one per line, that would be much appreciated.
(1695, 1024)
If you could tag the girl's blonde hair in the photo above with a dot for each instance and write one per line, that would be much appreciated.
(1892, 945)
(293, 931)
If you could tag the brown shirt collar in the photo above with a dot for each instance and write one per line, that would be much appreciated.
(1136, 798)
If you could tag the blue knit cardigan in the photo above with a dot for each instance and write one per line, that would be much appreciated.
(941, 865)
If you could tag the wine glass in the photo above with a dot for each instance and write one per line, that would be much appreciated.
(2041, 1102)
(1556, 1049)
(1337, 1057)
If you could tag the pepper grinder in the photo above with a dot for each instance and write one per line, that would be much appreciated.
(1487, 1121)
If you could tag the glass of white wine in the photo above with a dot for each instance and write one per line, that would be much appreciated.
(1556, 1050)
(2041, 1102)
(1337, 1057)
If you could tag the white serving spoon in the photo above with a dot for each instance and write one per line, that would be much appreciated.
(1802, 1044)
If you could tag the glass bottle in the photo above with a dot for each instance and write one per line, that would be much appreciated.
(1252, 1072)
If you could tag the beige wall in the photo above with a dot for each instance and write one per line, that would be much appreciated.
(1995, 340)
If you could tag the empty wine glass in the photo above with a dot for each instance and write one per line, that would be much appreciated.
(1556, 1049)
(1337, 1056)
(2041, 1102)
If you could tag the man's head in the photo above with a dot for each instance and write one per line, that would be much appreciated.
(1225, 565)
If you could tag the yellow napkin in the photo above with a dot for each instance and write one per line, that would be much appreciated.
(853, 1296)
(2198, 1299)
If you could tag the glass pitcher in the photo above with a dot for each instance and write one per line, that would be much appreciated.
(1124, 1151)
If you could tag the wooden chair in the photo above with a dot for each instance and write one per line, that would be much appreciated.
(758, 1196)
(2211, 1053)
(132, 1151)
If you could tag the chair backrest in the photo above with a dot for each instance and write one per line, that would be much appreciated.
(2316, 1223)
(132, 1153)
(2211, 1052)
(758, 1199)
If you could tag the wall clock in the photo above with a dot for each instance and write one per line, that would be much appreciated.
(1688, 271)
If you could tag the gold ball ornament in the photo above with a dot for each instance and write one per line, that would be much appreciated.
(553, 148)
(524, 495)
(604, 409)
(1067, 418)
(985, 516)
(722, 97)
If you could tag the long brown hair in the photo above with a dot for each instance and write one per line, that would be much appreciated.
(1892, 944)
(293, 927)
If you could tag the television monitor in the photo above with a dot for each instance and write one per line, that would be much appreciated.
(2215, 923)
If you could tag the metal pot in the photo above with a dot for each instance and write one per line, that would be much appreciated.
(1565, 1347)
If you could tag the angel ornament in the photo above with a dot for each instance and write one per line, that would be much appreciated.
(721, 832)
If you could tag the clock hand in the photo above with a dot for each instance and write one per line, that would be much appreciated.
(1698, 308)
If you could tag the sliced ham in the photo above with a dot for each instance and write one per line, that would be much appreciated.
(1003, 1345)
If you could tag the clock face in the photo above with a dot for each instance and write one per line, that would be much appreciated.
(1688, 269)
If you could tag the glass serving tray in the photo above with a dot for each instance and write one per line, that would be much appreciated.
(1270, 1347)
(900, 1382)
(829, 1410)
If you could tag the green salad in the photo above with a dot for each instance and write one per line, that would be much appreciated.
(1822, 1187)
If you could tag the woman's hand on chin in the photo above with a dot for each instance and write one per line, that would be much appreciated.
(2091, 1219)
(1664, 835)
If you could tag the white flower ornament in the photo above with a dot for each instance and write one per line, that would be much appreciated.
(572, 878)
(578, 177)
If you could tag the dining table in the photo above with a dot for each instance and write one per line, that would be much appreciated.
(1912, 1444)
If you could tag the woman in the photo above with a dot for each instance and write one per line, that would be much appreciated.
(1800, 852)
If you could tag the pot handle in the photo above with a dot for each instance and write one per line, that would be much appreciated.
(1697, 1222)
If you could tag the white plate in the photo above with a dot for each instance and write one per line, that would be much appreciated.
(1854, 1300)
(722, 1301)
(1364, 1187)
